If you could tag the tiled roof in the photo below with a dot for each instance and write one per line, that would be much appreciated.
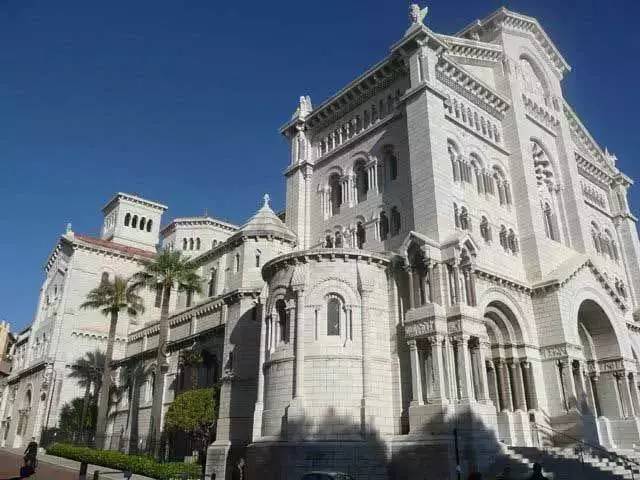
(115, 246)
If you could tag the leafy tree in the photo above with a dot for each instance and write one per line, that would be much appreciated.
(111, 298)
(75, 417)
(86, 370)
(192, 409)
(168, 271)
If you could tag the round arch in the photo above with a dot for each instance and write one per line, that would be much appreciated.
(495, 296)
(596, 332)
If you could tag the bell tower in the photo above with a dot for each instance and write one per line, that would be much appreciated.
(133, 221)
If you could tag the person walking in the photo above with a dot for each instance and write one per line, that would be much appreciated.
(31, 453)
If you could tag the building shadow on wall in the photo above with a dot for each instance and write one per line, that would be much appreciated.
(337, 443)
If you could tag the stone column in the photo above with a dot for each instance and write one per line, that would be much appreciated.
(494, 391)
(504, 388)
(456, 283)
(452, 386)
(483, 353)
(257, 415)
(299, 364)
(516, 374)
(529, 385)
(416, 377)
(439, 388)
(625, 394)
(464, 368)
(633, 387)
(429, 280)
(567, 383)
(412, 293)
(367, 353)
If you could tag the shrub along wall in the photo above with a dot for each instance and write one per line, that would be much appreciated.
(143, 465)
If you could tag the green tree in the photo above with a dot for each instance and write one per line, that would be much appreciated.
(192, 409)
(168, 271)
(86, 370)
(75, 417)
(111, 298)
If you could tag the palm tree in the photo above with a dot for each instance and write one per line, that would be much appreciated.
(168, 271)
(111, 298)
(86, 370)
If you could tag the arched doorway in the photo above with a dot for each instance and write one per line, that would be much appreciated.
(23, 419)
(509, 374)
(599, 383)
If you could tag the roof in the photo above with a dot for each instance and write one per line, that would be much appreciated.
(118, 247)
(266, 222)
(198, 221)
(134, 199)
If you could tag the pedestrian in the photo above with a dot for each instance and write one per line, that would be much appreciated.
(31, 453)
(537, 472)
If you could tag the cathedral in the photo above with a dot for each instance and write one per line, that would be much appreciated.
(456, 273)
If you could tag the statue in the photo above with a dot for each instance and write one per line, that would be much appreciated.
(417, 14)
(304, 107)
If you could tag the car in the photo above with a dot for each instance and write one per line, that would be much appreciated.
(326, 476)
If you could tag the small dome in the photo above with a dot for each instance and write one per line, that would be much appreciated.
(266, 222)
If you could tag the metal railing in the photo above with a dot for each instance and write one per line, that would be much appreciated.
(583, 447)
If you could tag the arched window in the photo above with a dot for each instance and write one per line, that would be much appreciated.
(361, 235)
(213, 277)
(384, 226)
(189, 298)
(198, 243)
(334, 308)
(237, 262)
(503, 237)
(258, 259)
(396, 222)
(143, 222)
(549, 224)
(328, 241)
(485, 229)
(191, 244)
(184, 244)
(127, 219)
(158, 299)
(512, 241)
(454, 157)
(149, 223)
(335, 193)
(362, 181)
(392, 165)
(339, 240)
(281, 310)
(104, 279)
(465, 222)
(134, 221)
(214, 243)
(476, 165)
(595, 236)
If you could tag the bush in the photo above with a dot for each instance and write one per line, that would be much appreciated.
(191, 409)
(141, 464)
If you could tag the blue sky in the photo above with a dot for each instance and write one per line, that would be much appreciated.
(181, 101)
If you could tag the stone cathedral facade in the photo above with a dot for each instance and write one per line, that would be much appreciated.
(457, 268)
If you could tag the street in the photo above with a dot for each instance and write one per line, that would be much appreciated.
(10, 468)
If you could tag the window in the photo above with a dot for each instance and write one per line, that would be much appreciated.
(512, 241)
(149, 223)
(127, 219)
(213, 276)
(184, 244)
(454, 156)
(456, 215)
(237, 262)
(189, 298)
(548, 222)
(214, 243)
(485, 229)
(384, 226)
(339, 242)
(335, 193)
(328, 242)
(361, 235)
(143, 222)
(503, 237)
(333, 317)
(393, 166)
(104, 279)
(191, 244)
(362, 182)
(158, 299)
(465, 222)
(281, 310)
(198, 243)
(134, 222)
(258, 259)
(396, 222)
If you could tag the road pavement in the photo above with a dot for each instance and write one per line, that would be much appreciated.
(10, 467)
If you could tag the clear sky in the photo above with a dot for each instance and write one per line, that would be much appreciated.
(180, 102)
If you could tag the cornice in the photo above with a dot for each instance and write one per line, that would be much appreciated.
(521, 23)
(197, 221)
(134, 199)
(472, 49)
(323, 255)
(449, 72)
(586, 140)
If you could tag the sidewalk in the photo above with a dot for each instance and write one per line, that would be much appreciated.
(105, 473)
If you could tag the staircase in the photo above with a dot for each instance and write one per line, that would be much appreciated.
(564, 464)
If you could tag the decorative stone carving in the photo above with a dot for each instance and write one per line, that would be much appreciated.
(417, 14)
(420, 328)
